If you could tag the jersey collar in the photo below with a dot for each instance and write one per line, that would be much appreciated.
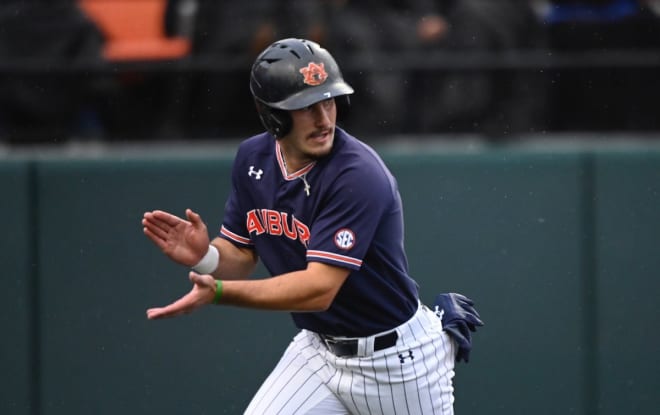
(296, 174)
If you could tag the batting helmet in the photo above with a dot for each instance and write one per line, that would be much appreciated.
(292, 74)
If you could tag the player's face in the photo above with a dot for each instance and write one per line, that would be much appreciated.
(312, 134)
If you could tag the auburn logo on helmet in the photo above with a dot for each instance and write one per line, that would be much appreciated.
(314, 73)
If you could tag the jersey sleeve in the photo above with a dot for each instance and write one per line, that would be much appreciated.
(233, 225)
(353, 209)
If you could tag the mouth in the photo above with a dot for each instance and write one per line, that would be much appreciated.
(321, 135)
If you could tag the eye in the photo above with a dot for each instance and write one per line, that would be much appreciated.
(326, 103)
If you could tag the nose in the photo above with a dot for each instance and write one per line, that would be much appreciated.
(321, 112)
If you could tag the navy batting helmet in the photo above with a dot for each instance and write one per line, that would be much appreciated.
(292, 74)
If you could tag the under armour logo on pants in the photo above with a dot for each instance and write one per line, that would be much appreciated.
(403, 357)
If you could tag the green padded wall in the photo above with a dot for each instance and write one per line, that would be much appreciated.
(503, 228)
(559, 249)
(99, 274)
(17, 378)
(628, 301)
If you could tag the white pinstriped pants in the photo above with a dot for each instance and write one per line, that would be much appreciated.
(412, 378)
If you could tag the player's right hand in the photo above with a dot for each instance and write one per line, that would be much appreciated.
(184, 241)
(202, 293)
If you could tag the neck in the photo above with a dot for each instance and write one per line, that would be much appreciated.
(292, 163)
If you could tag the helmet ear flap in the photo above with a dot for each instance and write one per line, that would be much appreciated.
(277, 122)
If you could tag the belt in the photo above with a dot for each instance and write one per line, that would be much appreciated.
(341, 347)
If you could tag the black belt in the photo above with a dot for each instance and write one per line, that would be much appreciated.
(349, 347)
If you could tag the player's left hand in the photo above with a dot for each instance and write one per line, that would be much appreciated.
(202, 293)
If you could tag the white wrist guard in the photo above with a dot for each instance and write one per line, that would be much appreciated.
(209, 262)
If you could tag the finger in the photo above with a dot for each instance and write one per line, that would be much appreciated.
(160, 242)
(161, 312)
(194, 218)
(477, 322)
(187, 303)
(155, 229)
(155, 216)
(202, 280)
(167, 218)
(154, 313)
(473, 311)
(463, 300)
(181, 306)
(157, 225)
(468, 308)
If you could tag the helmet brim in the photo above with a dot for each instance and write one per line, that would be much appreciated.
(311, 96)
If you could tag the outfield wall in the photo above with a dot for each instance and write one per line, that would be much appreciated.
(560, 249)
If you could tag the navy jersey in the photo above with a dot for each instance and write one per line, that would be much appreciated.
(343, 209)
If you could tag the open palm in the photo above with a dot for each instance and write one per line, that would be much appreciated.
(202, 293)
(184, 241)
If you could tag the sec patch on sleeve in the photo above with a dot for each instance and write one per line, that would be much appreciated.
(345, 239)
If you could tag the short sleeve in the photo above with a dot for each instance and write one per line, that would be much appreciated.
(233, 224)
(353, 209)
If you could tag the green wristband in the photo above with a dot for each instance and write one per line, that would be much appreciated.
(218, 291)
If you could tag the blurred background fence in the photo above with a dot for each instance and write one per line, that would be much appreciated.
(118, 70)
(524, 136)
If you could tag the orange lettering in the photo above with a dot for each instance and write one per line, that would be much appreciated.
(253, 223)
(273, 222)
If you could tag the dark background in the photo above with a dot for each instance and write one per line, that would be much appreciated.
(501, 69)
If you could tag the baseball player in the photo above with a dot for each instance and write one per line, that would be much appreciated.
(323, 213)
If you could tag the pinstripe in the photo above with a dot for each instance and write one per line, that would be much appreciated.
(343, 392)
(441, 358)
(272, 381)
(308, 376)
(440, 361)
(351, 378)
(357, 408)
(313, 374)
(318, 386)
(364, 385)
(353, 389)
(335, 372)
(341, 375)
(426, 382)
(405, 391)
(426, 367)
(283, 385)
(391, 386)
(380, 403)
(415, 365)
(447, 369)
(269, 400)
(435, 363)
